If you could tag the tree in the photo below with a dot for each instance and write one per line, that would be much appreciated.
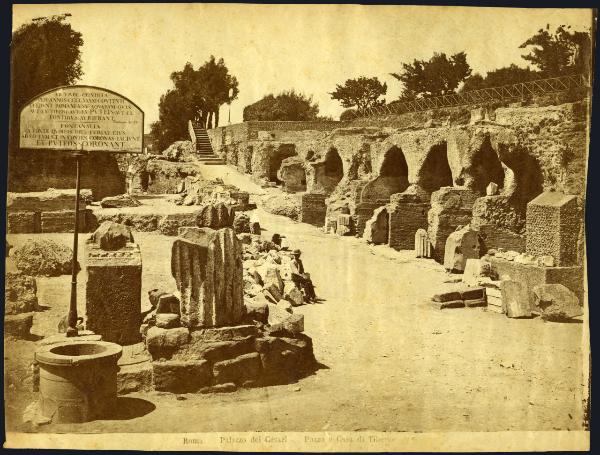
(349, 114)
(437, 76)
(561, 52)
(363, 93)
(219, 87)
(196, 95)
(288, 105)
(502, 76)
(173, 107)
(45, 54)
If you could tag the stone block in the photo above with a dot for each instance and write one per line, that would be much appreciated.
(460, 246)
(50, 200)
(23, 223)
(515, 301)
(20, 293)
(377, 227)
(216, 351)
(238, 370)
(313, 209)
(448, 296)
(177, 376)
(285, 359)
(450, 208)
(114, 292)
(556, 303)
(257, 309)
(231, 333)
(448, 304)
(135, 377)
(534, 275)
(167, 303)
(170, 224)
(163, 343)
(167, 320)
(553, 225)
(207, 267)
(111, 236)
(292, 294)
(63, 221)
(290, 326)
(18, 325)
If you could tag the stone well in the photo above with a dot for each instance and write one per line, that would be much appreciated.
(78, 380)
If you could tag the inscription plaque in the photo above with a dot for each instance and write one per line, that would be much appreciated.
(82, 118)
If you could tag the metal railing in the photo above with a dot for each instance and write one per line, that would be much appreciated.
(522, 91)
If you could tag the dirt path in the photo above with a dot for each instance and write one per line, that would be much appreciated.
(391, 361)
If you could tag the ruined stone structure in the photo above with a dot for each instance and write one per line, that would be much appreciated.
(207, 267)
(114, 284)
(553, 223)
(47, 211)
(436, 170)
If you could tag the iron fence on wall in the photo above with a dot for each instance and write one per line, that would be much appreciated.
(513, 92)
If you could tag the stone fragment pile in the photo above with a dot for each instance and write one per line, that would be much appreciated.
(198, 191)
(209, 335)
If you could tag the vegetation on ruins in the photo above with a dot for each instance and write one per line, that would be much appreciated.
(285, 106)
(45, 54)
(197, 95)
(559, 53)
(552, 54)
(508, 75)
(437, 76)
(349, 114)
(362, 93)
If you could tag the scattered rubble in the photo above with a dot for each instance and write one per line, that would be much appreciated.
(43, 257)
(123, 200)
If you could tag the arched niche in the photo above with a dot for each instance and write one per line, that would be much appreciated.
(329, 172)
(393, 177)
(485, 167)
(435, 171)
(277, 156)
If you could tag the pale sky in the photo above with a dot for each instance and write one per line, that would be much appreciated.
(133, 48)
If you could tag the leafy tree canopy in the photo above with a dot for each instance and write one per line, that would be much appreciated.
(437, 76)
(288, 105)
(363, 93)
(559, 53)
(196, 95)
(45, 54)
(502, 76)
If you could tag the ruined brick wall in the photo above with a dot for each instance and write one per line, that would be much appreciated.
(406, 218)
(39, 170)
(313, 209)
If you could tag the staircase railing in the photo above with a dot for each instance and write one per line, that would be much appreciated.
(518, 91)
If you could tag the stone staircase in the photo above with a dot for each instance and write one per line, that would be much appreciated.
(205, 154)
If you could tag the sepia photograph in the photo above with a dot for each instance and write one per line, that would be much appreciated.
(284, 227)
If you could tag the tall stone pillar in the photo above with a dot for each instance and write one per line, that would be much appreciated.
(207, 267)
(114, 284)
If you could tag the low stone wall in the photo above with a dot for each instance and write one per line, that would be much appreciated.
(313, 209)
(407, 215)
